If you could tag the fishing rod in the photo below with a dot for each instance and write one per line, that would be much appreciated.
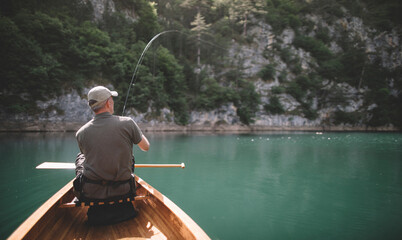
(142, 57)
(139, 63)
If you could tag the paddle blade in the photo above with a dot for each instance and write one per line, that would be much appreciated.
(56, 165)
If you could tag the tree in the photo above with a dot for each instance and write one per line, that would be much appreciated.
(274, 106)
(147, 25)
(240, 10)
(199, 28)
(174, 85)
(247, 101)
(198, 4)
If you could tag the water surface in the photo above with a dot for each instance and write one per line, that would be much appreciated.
(248, 186)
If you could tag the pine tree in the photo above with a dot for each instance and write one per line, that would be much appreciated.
(198, 4)
(199, 28)
(240, 10)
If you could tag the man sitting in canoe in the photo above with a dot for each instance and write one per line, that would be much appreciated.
(104, 165)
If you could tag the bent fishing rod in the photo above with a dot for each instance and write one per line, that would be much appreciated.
(142, 57)
(139, 63)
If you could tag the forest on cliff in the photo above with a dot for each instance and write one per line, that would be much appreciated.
(49, 47)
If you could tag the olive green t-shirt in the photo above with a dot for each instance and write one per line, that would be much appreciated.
(107, 144)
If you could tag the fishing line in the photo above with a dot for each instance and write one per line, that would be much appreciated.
(139, 62)
(142, 57)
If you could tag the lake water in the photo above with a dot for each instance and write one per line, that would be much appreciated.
(238, 186)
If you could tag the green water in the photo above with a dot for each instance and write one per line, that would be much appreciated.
(267, 186)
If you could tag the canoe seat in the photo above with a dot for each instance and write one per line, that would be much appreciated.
(77, 203)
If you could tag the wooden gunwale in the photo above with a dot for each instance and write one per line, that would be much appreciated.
(158, 218)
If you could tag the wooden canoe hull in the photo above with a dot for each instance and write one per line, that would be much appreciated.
(158, 218)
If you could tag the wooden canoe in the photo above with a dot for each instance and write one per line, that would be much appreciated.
(158, 218)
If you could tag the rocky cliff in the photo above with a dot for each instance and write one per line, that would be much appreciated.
(69, 111)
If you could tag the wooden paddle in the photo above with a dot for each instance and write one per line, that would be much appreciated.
(65, 165)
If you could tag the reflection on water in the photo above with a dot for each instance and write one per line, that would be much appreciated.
(266, 186)
(23, 189)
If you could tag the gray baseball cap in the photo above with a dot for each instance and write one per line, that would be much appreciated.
(99, 94)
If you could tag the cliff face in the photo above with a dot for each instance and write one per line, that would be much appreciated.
(385, 45)
(70, 110)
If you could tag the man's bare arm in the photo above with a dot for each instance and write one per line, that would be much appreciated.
(144, 144)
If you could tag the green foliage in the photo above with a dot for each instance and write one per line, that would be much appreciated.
(323, 35)
(379, 14)
(331, 69)
(352, 118)
(78, 10)
(282, 76)
(330, 9)
(274, 106)
(38, 73)
(278, 90)
(286, 55)
(380, 117)
(295, 91)
(119, 28)
(174, 85)
(294, 21)
(93, 47)
(334, 97)
(147, 25)
(304, 89)
(52, 45)
(292, 61)
(275, 19)
(386, 107)
(60, 52)
(247, 102)
(282, 14)
(213, 95)
(240, 11)
(308, 112)
(46, 54)
(316, 47)
(375, 76)
(303, 85)
(267, 72)
(353, 62)
(296, 68)
(223, 27)
(308, 83)
(397, 113)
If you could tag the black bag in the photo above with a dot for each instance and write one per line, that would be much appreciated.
(110, 214)
(77, 185)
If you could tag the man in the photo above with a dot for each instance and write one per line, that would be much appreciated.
(105, 162)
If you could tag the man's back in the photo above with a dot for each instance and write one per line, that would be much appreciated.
(104, 164)
(107, 143)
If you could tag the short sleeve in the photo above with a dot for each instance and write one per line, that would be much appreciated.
(136, 132)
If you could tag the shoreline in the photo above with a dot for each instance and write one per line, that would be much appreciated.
(163, 128)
